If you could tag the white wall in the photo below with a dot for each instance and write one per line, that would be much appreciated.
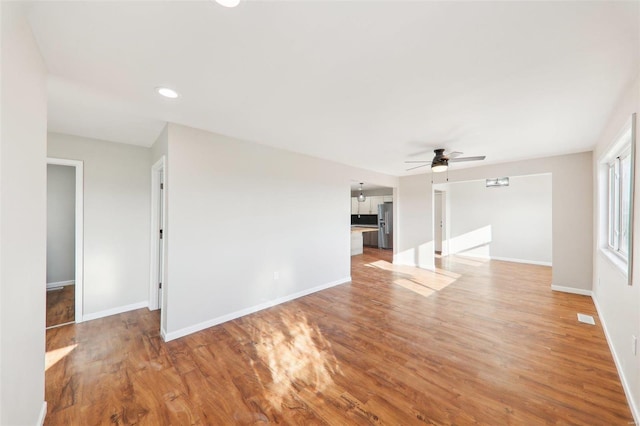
(571, 212)
(506, 223)
(117, 181)
(414, 222)
(23, 180)
(240, 212)
(619, 304)
(61, 215)
(161, 146)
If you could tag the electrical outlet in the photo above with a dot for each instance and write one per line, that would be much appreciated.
(276, 276)
(634, 345)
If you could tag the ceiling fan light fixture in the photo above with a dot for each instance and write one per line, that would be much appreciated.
(439, 165)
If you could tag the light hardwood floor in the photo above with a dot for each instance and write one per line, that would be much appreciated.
(473, 343)
(61, 306)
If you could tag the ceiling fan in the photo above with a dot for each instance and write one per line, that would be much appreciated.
(440, 162)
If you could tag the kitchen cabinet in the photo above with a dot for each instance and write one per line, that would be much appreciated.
(370, 205)
(370, 239)
(358, 207)
(354, 205)
(375, 200)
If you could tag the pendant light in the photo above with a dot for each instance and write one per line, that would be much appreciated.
(361, 197)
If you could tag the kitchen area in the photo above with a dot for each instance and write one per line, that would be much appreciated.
(371, 217)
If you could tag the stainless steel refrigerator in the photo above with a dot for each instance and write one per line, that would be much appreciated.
(385, 225)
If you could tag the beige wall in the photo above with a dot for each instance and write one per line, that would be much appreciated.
(414, 222)
(240, 212)
(572, 215)
(117, 183)
(61, 221)
(23, 180)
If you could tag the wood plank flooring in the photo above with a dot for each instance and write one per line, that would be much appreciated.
(61, 306)
(472, 343)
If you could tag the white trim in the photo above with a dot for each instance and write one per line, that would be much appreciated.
(502, 259)
(115, 311)
(529, 262)
(154, 243)
(615, 260)
(60, 325)
(79, 272)
(237, 314)
(635, 410)
(60, 284)
(43, 413)
(571, 290)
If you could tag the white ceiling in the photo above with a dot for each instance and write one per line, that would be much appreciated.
(369, 84)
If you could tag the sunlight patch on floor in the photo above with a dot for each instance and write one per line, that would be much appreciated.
(421, 281)
(471, 261)
(298, 355)
(53, 356)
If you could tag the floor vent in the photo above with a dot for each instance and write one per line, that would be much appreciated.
(587, 319)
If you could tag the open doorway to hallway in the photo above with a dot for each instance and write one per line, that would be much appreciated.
(64, 242)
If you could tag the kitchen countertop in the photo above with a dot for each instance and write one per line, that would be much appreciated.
(363, 229)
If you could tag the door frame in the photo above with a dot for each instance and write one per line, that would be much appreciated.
(155, 277)
(79, 230)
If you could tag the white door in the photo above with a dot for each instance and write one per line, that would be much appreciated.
(438, 221)
(161, 239)
(158, 246)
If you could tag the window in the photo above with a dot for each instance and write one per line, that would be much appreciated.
(619, 198)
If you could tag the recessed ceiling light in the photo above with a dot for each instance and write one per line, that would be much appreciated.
(228, 3)
(167, 93)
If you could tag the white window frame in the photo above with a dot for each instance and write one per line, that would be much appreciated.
(617, 221)
(615, 229)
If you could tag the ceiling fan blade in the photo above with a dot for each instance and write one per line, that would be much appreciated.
(418, 161)
(462, 159)
(417, 167)
(454, 154)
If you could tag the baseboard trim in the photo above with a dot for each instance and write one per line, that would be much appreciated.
(502, 259)
(43, 413)
(60, 284)
(571, 290)
(115, 311)
(635, 410)
(529, 262)
(247, 311)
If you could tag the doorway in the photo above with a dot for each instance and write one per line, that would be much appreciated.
(158, 237)
(64, 283)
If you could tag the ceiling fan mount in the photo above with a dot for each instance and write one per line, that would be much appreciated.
(440, 161)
